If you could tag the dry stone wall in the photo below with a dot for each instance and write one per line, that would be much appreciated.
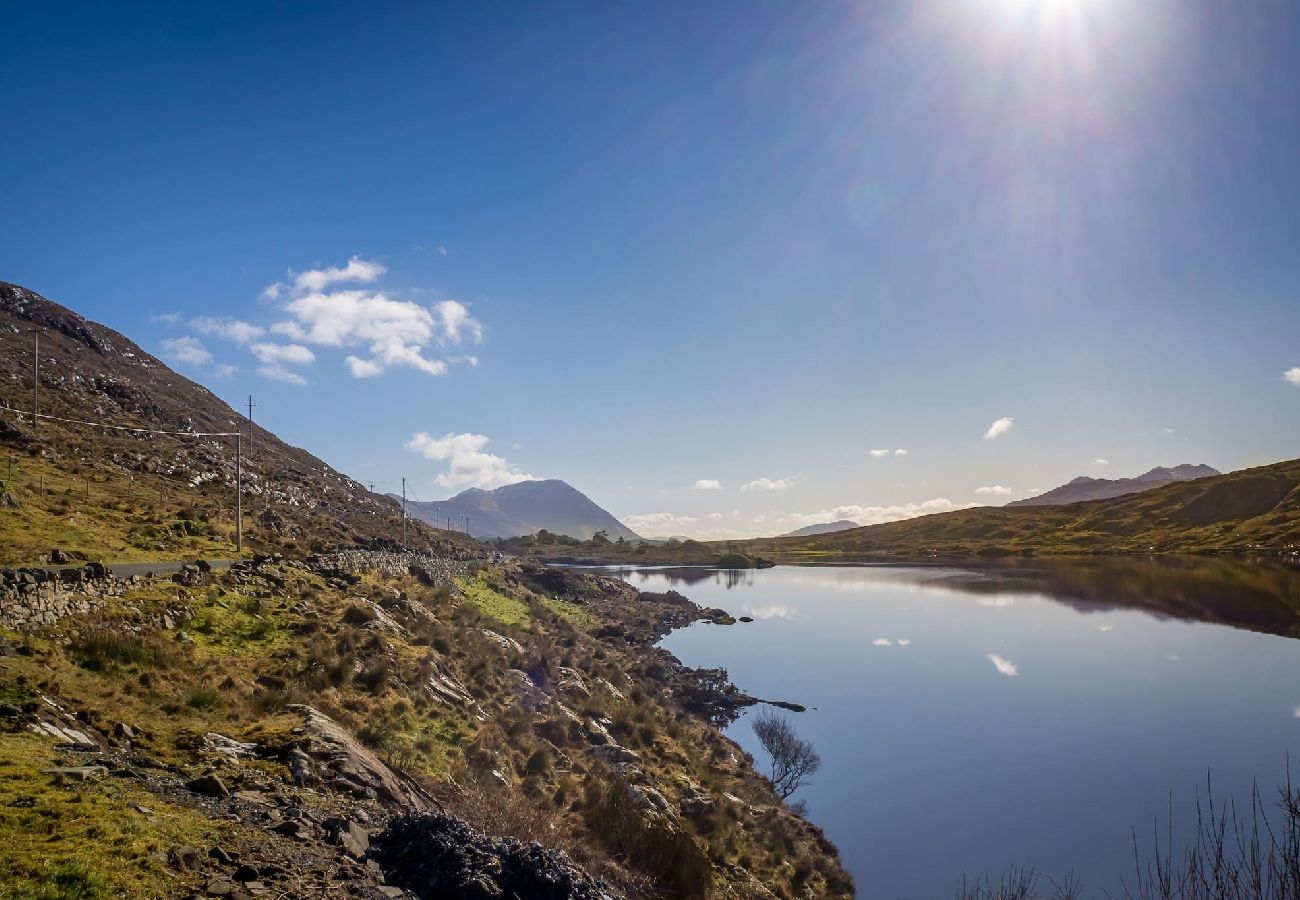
(32, 598)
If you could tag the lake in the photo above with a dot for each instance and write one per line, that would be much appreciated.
(1034, 715)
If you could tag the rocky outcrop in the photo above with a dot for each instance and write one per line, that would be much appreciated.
(343, 763)
(438, 856)
(432, 570)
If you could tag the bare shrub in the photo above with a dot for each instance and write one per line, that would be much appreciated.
(794, 761)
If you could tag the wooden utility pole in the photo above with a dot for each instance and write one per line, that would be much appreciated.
(239, 495)
(251, 404)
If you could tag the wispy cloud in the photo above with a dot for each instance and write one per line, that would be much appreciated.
(1001, 426)
(468, 465)
(1005, 666)
(1293, 376)
(186, 351)
(770, 484)
(878, 453)
(660, 524)
(357, 270)
(882, 642)
(1166, 431)
(708, 484)
(994, 490)
(1101, 462)
(230, 329)
(900, 452)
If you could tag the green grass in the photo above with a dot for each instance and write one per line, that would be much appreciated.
(573, 613)
(85, 840)
(493, 605)
(233, 622)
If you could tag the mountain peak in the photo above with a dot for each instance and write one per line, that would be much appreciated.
(523, 507)
(1083, 488)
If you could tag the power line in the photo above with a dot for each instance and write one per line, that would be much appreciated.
(123, 427)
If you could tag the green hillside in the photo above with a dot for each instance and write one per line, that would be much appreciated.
(1250, 510)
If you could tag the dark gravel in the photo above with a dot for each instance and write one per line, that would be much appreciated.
(439, 856)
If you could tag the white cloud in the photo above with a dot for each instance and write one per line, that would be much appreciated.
(454, 319)
(878, 453)
(277, 372)
(882, 642)
(1293, 376)
(468, 466)
(707, 484)
(296, 354)
(1005, 666)
(875, 515)
(275, 359)
(395, 331)
(1101, 462)
(760, 519)
(170, 318)
(229, 329)
(993, 490)
(272, 291)
(442, 251)
(900, 452)
(1001, 426)
(715, 517)
(357, 269)
(769, 484)
(660, 524)
(903, 642)
(186, 351)
(1166, 431)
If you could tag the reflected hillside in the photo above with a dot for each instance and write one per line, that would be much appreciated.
(1258, 596)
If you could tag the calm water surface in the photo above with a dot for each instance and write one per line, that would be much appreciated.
(1037, 716)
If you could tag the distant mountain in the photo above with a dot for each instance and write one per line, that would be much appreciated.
(1085, 488)
(822, 528)
(525, 507)
(1248, 510)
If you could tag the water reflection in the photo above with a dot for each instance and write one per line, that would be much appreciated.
(1040, 712)
(1259, 595)
(677, 576)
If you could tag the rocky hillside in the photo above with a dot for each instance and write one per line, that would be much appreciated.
(526, 507)
(1085, 488)
(332, 716)
(119, 494)
(1253, 510)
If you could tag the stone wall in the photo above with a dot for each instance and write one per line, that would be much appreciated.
(431, 569)
(32, 598)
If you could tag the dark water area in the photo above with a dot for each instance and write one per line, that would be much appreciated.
(1034, 715)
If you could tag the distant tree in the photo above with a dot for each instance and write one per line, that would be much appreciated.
(600, 538)
(794, 760)
(621, 541)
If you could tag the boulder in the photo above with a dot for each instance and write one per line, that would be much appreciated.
(208, 785)
(348, 764)
(614, 754)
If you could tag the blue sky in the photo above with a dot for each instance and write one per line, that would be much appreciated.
(660, 244)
